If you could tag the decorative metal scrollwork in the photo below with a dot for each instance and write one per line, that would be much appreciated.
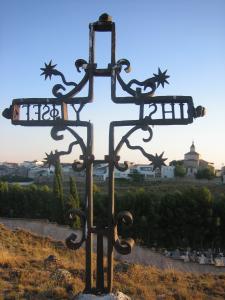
(52, 158)
(123, 246)
(156, 160)
(49, 70)
(71, 240)
(150, 83)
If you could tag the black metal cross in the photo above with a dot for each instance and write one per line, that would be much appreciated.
(161, 110)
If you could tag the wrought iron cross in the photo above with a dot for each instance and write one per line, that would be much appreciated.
(161, 110)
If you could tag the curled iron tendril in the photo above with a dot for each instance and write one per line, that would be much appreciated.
(123, 246)
(150, 83)
(125, 140)
(156, 160)
(78, 166)
(71, 240)
(49, 70)
(52, 158)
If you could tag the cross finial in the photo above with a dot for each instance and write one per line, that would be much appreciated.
(105, 18)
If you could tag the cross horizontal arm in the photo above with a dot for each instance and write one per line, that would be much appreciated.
(160, 110)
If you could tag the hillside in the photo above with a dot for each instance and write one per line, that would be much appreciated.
(26, 273)
(155, 186)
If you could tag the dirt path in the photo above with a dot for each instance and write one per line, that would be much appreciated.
(139, 255)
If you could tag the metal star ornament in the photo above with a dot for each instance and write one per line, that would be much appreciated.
(161, 78)
(49, 70)
(158, 161)
(51, 159)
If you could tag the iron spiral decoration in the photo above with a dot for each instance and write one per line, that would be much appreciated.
(71, 240)
(53, 157)
(150, 84)
(156, 160)
(122, 245)
(50, 70)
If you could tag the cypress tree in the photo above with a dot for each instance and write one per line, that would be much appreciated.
(74, 193)
(4, 195)
(58, 193)
(73, 202)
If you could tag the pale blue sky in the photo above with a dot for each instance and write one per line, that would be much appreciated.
(187, 37)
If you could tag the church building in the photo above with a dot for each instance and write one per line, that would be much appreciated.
(193, 162)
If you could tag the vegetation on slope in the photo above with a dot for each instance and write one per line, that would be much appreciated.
(171, 216)
(26, 273)
(191, 217)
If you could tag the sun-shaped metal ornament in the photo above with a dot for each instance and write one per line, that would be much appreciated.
(51, 159)
(158, 161)
(49, 70)
(161, 77)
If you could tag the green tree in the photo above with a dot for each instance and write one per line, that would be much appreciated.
(176, 162)
(4, 191)
(179, 171)
(58, 193)
(137, 176)
(27, 201)
(206, 173)
(73, 192)
(72, 202)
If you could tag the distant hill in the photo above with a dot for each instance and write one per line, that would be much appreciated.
(33, 267)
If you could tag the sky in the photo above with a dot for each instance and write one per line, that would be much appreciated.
(186, 37)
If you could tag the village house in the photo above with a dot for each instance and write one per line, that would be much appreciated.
(146, 171)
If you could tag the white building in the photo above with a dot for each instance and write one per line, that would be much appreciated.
(101, 173)
(142, 169)
(167, 171)
(32, 164)
(122, 175)
(39, 171)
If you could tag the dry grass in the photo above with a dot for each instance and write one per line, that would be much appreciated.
(150, 283)
(24, 274)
